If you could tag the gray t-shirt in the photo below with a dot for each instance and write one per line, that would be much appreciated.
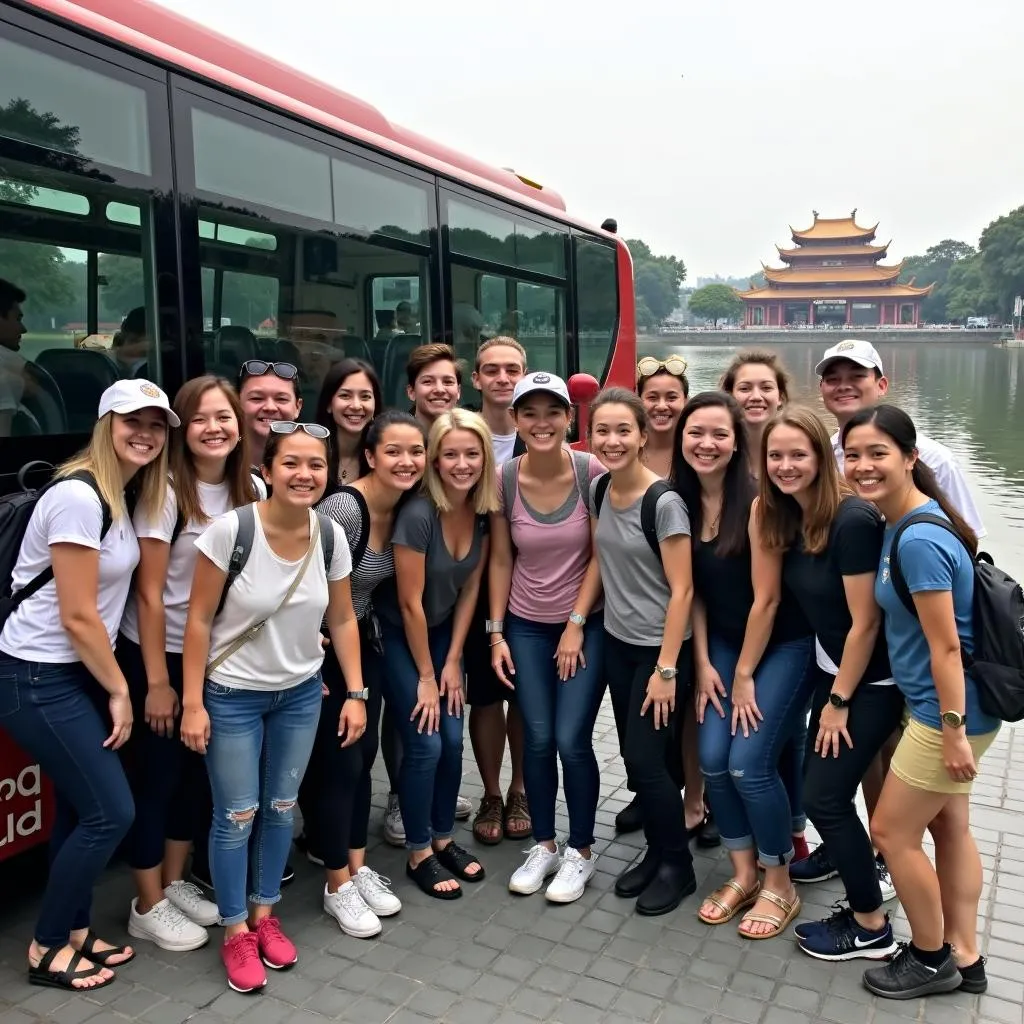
(636, 592)
(418, 526)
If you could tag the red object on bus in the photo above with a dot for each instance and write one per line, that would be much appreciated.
(26, 801)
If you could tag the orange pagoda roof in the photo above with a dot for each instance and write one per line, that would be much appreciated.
(816, 252)
(833, 229)
(872, 292)
(867, 275)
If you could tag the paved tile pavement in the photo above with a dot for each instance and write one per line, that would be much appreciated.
(494, 958)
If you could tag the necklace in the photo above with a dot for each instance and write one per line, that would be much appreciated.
(344, 470)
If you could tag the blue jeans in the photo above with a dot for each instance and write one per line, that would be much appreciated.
(431, 771)
(558, 723)
(260, 742)
(741, 773)
(58, 714)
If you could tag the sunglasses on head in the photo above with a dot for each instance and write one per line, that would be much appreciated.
(648, 366)
(259, 367)
(290, 426)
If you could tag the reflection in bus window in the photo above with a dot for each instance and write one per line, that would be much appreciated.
(597, 299)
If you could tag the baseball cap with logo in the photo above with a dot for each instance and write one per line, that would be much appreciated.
(127, 396)
(856, 350)
(540, 382)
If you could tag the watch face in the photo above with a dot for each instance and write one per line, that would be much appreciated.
(836, 701)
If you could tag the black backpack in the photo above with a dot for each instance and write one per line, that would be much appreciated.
(648, 508)
(15, 512)
(997, 665)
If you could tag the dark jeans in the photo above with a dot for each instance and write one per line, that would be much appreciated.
(431, 772)
(335, 794)
(390, 748)
(558, 724)
(792, 770)
(58, 714)
(830, 787)
(647, 751)
(168, 781)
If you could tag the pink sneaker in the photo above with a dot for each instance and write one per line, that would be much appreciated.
(276, 949)
(241, 956)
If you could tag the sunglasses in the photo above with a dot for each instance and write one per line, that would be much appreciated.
(648, 366)
(259, 367)
(289, 427)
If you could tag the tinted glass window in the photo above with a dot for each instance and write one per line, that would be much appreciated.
(61, 106)
(598, 303)
(371, 201)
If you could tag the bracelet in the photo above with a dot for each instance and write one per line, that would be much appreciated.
(496, 642)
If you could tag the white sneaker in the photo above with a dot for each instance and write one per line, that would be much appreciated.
(572, 877)
(349, 909)
(167, 926)
(885, 881)
(463, 808)
(189, 899)
(394, 827)
(541, 863)
(376, 892)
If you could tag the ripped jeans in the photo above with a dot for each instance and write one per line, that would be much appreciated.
(260, 742)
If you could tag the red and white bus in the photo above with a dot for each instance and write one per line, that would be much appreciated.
(173, 203)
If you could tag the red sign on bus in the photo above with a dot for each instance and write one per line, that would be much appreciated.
(26, 801)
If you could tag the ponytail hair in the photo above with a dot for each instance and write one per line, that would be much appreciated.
(899, 428)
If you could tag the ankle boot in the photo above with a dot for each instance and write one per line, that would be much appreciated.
(630, 818)
(634, 880)
(672, 883)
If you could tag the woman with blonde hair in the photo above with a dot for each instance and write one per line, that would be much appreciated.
(440, 542)
(63, 696)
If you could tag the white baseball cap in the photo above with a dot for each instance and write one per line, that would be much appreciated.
(546, 383)
(856, 350)
(127, 396)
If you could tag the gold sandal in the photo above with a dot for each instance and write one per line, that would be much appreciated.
(747, 898)
(779, 924)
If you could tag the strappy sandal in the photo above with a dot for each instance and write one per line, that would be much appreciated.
(517, 810)
(487, 825)
(779, 924)
(429, 873)
(747, 897)
(457, 861)
(101, 957)
(42, 975)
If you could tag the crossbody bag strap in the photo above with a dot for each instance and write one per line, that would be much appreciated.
(253, 631)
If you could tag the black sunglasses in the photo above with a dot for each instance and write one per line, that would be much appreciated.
(259, 367)
(290, 426)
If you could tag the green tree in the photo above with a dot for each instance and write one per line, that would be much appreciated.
(122, 285)
(1002, 254)
(656, 282)
(40, 271)
(715, 302)
(968, 289)
(934, 267)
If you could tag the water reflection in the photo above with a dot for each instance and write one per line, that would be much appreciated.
(965, 395)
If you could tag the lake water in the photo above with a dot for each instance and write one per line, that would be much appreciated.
(970, 397)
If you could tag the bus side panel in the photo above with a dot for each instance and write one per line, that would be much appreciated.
(622, 368)
(26, 801)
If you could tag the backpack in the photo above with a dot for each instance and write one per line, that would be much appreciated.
(243, 546)
(997, 665)
(648, 508)
(364, 524)
(15, 512)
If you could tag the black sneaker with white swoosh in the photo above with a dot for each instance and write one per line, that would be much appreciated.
(840, 937)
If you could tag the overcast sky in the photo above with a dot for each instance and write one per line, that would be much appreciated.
(703, 128)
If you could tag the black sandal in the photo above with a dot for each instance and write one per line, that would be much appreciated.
(429, 873)
(101, 957)
(457, 860)
(42, 975)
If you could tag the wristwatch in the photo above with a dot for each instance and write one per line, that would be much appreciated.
(837, 700)
(494, 625)
(953, 719)
(576, 619)
(363, 694)
(666, 673)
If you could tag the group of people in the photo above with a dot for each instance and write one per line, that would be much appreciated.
(241, 607)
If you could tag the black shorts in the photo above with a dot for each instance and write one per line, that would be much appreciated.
(483, 687)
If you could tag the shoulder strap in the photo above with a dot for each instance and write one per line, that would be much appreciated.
(363, 540)
(899, 584)
(509, 485)
(581, 470)
(327, 539)
(246, 515)
(649, 514)
(600, 491)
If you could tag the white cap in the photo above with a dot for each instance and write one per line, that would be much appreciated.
(127, 396)
(858, 351)
(546, 383)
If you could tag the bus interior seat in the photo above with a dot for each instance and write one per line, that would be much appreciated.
(82, 375)
(233, 344)
(396, 355)
(44, 402)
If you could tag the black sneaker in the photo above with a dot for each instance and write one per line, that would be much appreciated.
(288, 875)
(201, 876)
(974, 979)
(906, 977)
(630, 818)
(709, 837)
(302, 845)
(841, 938)
(817, 867)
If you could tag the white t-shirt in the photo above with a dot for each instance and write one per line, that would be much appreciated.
(942, 462)
(504, 446)
(12, 380)
(287, 650)
(69, 513)
(215, 500)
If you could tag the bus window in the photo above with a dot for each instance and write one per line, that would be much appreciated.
(597, 300)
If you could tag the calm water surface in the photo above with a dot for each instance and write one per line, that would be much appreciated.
(970, 397)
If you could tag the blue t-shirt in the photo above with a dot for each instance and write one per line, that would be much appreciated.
(931, 558)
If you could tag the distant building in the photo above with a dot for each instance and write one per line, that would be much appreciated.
(833, 276)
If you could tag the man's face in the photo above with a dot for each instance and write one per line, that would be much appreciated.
(501, 366)
(436, 390)
(847, 387)
(12, 329)
(266, 398)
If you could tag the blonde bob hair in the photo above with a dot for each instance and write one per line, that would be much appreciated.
(100, 459)
(484, 495)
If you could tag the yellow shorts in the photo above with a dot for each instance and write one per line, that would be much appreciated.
(918, 758)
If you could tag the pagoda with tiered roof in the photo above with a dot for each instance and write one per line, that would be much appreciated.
(833, 276)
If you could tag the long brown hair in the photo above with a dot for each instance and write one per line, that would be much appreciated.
(781, 518)
(237, 474)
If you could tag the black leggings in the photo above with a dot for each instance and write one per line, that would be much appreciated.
(830, 786)
(335, 793)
